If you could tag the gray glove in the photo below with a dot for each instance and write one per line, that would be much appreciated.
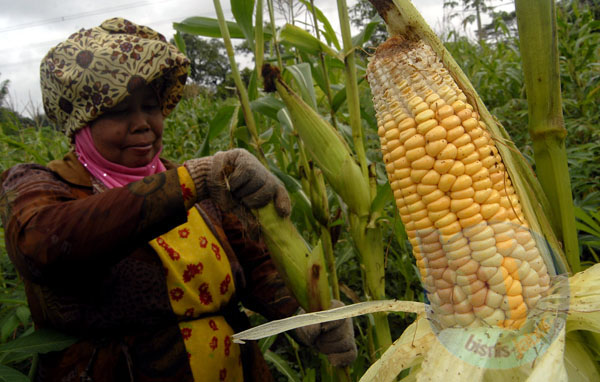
(335, 339)
(236, 176)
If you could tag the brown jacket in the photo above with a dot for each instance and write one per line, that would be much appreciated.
(89, 271)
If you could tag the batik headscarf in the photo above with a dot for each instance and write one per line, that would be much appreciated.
(95, 69)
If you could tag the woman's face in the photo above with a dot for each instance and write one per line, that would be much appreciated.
(130, 134)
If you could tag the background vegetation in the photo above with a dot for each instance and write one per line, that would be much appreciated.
(209, 119)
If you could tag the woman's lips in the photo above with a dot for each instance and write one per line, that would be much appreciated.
(141, 149)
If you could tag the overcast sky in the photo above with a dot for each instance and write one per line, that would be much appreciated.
(29, 28)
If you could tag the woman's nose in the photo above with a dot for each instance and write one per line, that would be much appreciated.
(138, 121)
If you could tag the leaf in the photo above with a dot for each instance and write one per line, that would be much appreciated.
(282, 366)
(40, 341)
(207, 27)
(329, 33)
(384, 195)
(242, 11)
(178, 38)
(367, 32)
(303, 76)
(8, 374)
(280, 326)
(304, 41)
(265, 343)
(267, 105)
(216, 126)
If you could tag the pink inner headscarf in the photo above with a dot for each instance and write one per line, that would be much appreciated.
(110, 173)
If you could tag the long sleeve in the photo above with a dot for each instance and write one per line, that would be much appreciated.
(265, 291)
(50, 230)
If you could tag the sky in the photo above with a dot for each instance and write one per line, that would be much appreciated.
(29, 28)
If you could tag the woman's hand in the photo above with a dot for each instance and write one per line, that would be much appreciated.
(237, 176)
(335, 339)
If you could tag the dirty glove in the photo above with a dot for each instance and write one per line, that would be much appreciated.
(236, 176)
(335, 339)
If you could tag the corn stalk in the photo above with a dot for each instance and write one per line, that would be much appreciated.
(536, 20)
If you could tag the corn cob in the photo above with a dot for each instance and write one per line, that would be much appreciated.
(478, 261)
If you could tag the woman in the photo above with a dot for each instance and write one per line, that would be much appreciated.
(143, 260)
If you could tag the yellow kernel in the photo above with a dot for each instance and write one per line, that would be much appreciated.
(461, 183)
(401, 173)
(432, 177)
(424, 163)
(417, 175)
(446, 181)
(471, 158)
(404, 182)
(406, 134)
(416, 206)
(489, 210)
(458, 106)
(393, 145)
(415, 153)
(494, 197)
(449, 152)
(411, 199)
(450, 122)
(398, 153)
(472, 168)
(471, 221)
(424, 116)
(462, 194)
(409, 190)
(392, 134)
(488, 161)
(420, 107)
(465, 150)
(456, 244)
(476, 133)
(480, 142)
(423, 223)
(416, 216)
(446, 220)
(482, 184)
(435, 105)
(462, 140)
(416, 141)
(451, 229)
(433, 148)
(454, 133)
(470, 124)
(464, 114)
(480, 175)
(439, 204)
(445, 111)
(437, 215)
(443, 165)
(469, 211)
(406, 124)
(485, 151)
(461, 252)
(414, 101)
(425, 127)
(433, 196)
(425, 189)
(438, 132)
(484, 234)
(470, 267)
(460, 204)
(457, 169)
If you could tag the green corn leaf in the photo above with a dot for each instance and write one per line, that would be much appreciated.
(328, 31)
(179, 42)
(281, 365)
(268, 106)
(41, 341)
(367, 31)
(265, 343)
(242, 11)
(220, 121)
(8, 374)
(303, 76)
(304, 41)
(384, 195)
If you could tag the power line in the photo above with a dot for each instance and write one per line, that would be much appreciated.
(80, 15)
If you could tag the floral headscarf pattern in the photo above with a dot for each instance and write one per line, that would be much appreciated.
(95, 69)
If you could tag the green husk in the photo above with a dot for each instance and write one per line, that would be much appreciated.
(302, 269)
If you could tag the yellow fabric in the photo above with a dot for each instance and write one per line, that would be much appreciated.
(199, 281)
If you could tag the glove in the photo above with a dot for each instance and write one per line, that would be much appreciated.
(236, 176)
(335, 339)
